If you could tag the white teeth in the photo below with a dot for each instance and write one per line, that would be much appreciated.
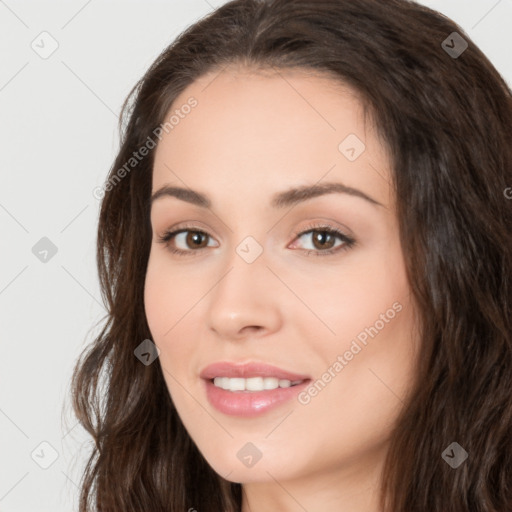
(237, 384)
(252, 383)
(270, 383)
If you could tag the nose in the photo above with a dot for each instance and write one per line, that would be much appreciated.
(245, 301)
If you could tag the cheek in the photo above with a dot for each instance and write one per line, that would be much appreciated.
(167, 297)
(370, 310)
(356, 297)
(169, 300)
(358, 401)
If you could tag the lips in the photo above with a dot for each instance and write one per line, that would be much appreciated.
(248, 370)
(242, 401)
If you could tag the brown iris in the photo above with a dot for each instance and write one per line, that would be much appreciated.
(321, 237)
(193, 239)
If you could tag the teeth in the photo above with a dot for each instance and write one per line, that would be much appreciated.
(252, 383)
(270, 383)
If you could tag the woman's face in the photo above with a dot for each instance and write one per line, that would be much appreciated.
(291, 270)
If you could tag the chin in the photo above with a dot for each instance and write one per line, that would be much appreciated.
(246, 465)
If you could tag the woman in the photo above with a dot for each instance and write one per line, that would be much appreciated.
(239, 372)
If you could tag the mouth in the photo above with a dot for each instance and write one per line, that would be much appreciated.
(250, 389)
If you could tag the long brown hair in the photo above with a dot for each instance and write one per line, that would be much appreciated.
(447, 121)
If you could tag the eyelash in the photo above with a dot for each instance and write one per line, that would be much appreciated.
(348, 242)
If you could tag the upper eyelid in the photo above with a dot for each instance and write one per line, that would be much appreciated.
(316, 225)
(325, 227)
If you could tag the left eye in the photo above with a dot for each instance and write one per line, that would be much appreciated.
(325, 240)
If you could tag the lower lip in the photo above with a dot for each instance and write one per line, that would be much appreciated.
(249, 403)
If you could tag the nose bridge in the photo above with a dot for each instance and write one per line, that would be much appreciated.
(243, 296)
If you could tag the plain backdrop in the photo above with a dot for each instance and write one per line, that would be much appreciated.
(58, 133)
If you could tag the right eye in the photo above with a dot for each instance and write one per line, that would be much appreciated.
(191, 240)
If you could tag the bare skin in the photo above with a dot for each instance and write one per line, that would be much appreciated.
(252, 136)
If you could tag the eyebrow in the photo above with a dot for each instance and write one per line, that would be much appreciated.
(280, 200)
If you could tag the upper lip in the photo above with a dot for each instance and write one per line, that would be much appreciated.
(247, 370)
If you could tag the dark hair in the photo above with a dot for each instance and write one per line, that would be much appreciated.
(447, 122)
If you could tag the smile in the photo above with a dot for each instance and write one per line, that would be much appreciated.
(251, 388)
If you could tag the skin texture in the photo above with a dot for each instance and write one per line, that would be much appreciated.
(250, 136)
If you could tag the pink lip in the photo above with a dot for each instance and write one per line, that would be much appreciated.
(246, 370)
(249, 403)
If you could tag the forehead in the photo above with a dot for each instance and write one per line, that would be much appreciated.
(267, 129)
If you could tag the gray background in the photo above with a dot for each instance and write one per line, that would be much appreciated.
(58, 132)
